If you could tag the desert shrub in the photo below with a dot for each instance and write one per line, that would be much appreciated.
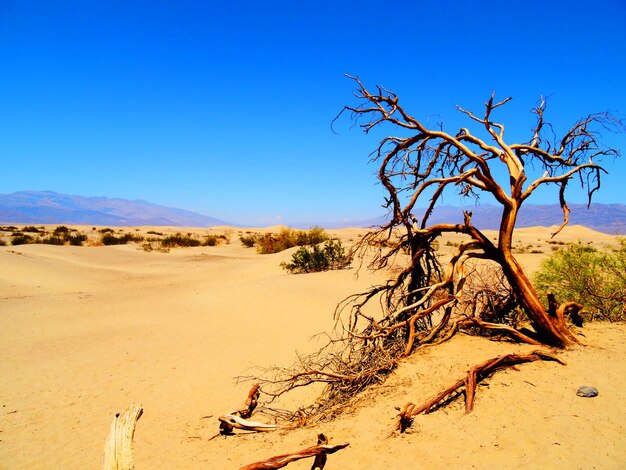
(268, 243)
(22, 239)
(2, 242)
(213, 240)
(76, 239)
(249, 240)
(314, 258)
(31, 229)
(109, 238)
(288, 238)
(593, 278)
(53, 240)
(227, 236)
(179, 239)
(8, 228)
(152, 232)
(61, 230)
(313, 236)
(106, 230)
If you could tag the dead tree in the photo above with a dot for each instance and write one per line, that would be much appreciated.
(422, 163)
(426, 302)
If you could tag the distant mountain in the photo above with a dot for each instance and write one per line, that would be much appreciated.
(47, 207)
(607, 218)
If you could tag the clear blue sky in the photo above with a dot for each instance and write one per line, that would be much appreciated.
(224, 107)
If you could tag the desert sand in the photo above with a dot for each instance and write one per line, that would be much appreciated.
(86, 331)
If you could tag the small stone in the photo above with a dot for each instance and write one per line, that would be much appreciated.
(587, 392)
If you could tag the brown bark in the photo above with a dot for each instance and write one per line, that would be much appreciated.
(550, 330)
(319, 451)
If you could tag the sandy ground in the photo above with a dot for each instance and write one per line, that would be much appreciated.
(86, 331)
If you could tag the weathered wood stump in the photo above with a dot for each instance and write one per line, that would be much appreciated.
(118, 449)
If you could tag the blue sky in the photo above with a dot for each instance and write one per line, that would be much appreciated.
(224, 107)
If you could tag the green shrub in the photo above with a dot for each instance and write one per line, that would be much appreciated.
(308, 259)
(596, 279)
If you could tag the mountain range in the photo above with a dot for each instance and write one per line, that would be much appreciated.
(47, 207)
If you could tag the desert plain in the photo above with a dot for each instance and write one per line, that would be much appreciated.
(85, 331)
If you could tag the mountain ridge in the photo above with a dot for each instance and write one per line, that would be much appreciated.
(48, 207)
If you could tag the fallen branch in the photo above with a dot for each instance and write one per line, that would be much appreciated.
(238, 419)
(468, 383)
(118, 449)
(233, 421)
(319, 451)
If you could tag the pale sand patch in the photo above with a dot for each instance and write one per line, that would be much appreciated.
(85, 331)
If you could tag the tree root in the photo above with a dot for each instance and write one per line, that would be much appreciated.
(319, 451)
(468, 383)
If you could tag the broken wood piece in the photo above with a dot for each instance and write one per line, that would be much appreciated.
(474, 375)
(230, 422)
(319, 451)
(118, 449)
(320, 460)
(238, 419)
(251, 402)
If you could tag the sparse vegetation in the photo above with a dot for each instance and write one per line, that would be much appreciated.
(61, 230)
(53, 240)
(591, 277)
(109, 238)
(76, 239)
(21, 239)
(249, 240)
(315, 258)
(179, 239)
(287, 238)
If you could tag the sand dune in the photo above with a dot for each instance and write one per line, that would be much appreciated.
(85, 331)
